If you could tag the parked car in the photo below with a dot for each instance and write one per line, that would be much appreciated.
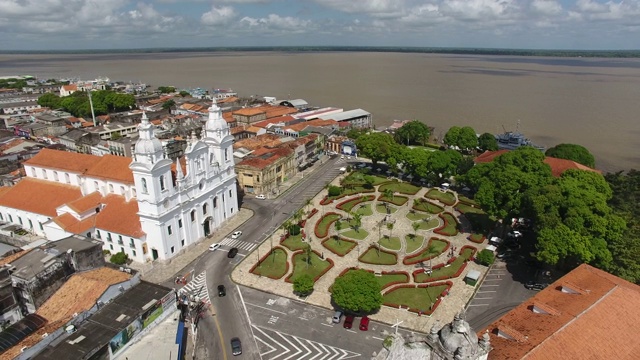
(515, 234)
(222, 291)
(535, 286)
(495, 240)
(236, 234)
(214, 247)
(261, 197)
(348, 321)
(236, 346)
(364, 323)
(232, 253)
(336, 317)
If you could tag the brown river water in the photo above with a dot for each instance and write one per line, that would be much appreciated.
(588, 101)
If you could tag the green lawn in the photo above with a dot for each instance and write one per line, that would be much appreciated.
(417, 216)
(294, 243)
(351, 233)
(416, 298)
(404, 188)
(413, 244)
(451, 228)
(274, 265)
(325, 222)
(434, 248)
(340, 247)
(386, 279)
(480, 221)
(397, 200)
(364, 210)
(446, 271)
(465, 199)
(476, 238)
(390, 244)
(358, 177)
(427, 206)
(371, 256)
(300, 267)
(465, 208)
(348, 206)
(426, 225)
(447, 197)
(383, 210)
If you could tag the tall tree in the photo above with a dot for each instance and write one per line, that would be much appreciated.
(415, 161)
(377, 147)
(49, 100)
(412, 133)
(467, 138)
(487, 141)
(357, 292)
(444, 164)
(451, 137)
(577, 153)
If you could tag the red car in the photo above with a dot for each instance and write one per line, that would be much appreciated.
(348, 321)
(364, 323)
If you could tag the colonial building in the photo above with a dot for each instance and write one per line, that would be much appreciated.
(150, 208)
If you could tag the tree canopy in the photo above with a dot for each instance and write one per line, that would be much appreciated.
(378, 147)
(577, 153)
(303, 285)
(464, 138)
(166, 89)
(412, 133)
(487, 141)
(357, 291)
(104, 101)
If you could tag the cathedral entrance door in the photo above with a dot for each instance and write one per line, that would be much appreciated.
(207, 226)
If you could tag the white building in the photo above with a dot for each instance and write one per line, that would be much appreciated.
(149, 208)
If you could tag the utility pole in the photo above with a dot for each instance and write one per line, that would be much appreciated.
(93, 114)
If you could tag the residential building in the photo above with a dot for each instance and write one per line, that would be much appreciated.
(249, 116)
(586, 314)
(10, 311)
(66, 90)
(265, 170)
(150, 208)
(19, 107)
(314, 114)
(299, 104)
(357, 118)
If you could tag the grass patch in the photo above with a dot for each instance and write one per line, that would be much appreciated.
(467, 200)
(413, 244)
(415, 298)
(395, 200)
(476, 238)
(427, 206)
(466, 209)
(349, 205)
(446, 197)
(364, 210)
(274, 265)
(446, 271)
(382, 209)
(322, 228)
(339, 246)
(358, 178)
(359, 235)
(404, 188)
(434, 248)
(387, 279)
(430, 224)
(479, 220)
(294, 242)
(392, 243)
(384, 258)
(417, 216)
(450, 225)
(317, 266)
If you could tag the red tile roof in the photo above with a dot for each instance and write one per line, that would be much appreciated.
(600, 320)
(112, 167)
(316, 122)
(488, 156)
(63, 160)
(275, 120)
(39, 196)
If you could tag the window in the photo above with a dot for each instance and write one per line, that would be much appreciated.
(55, 176)
(215, 202)
(67, 178)
(226, 154)
(232, 210)
(1, 216)
(193, 215)
(33, 173)
(144, 186)
(89, 235)
(211, 158)
(230, 194)
(132, 243)
(111, 247)
(204, 209)
(120, 240)
(161, 182)
(109, 237)
(182, 243)
(41, 228)
(20, 220)
(111, 188)
(96, 187)
(180, 223)
(122, 190)
(133, 192)
(257, 178)
(10, 218)
(98, 236)
(44, 173)
(133, 252)
(30, 224)
(173, 249)
(169, 230)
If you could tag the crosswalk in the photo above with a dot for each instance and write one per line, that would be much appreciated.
(275, 345)
(238, 243)
(198, 288)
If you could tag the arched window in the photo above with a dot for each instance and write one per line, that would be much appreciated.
(204, 209)
(161, 182)
(67, 178)
(111, 188)
(96, 187)
(193, 215)
(215, 202)
(226, 154)
(144, 186)
(55, 176)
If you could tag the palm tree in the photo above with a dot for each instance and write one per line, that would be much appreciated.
(390, 227)
(338, 228)
(415, 226)
(357, 221)
(307, 251)
(307, 202)
(388, 193)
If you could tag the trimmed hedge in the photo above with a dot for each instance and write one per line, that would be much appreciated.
(373, 248)
(301, 252)
(445, 228)
(392, 283)
(444, 293)
(477, 238)
(325, 231)
(427, 206)
(353, 244)
(349, 204)
(460, 259)
(397, 200)
(253, 268)
(419, 257)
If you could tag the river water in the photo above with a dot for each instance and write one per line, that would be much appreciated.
(588, 101)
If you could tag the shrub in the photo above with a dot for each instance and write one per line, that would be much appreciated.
(106, 252)
(485, 257)
(334, 190)
(119, 258)
(303, 285)
(294, 230)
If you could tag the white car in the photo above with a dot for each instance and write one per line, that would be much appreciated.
(515, 234)
(236, 234)
(261, 197)
(214, 247)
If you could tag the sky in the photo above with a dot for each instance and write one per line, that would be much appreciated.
(127, 24)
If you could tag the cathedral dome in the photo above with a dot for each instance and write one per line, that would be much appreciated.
(147, 143)
(216, 122)
(458, 337)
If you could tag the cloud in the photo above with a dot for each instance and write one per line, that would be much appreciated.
(376, 8)
(546, 7)
(276, 24)
(218, 16)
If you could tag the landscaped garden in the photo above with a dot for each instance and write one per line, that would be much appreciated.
(315, 267)
(421, 299)
(273, 265)
(395, 186)
(364, 210)
(479, 220)
(392, 243)
(391, 278)
(427, 206)
(361, 234)
(322, 226)
(413, 243)
(350, 204)
(382, 208)
(450, 225)
(394, 199)
(434, 248)
(376, 256)
(294, 242)
(339, 246)
(446, 271)
(445, 197)
(429, 224)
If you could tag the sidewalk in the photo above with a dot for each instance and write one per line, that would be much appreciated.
(159, 343)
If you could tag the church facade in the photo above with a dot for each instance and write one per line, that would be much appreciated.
(148, 207)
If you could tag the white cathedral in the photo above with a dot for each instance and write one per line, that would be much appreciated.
(150, 208)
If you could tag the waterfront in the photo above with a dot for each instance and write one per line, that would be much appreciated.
(592, 102)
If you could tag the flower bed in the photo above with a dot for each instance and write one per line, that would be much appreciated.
(447, 197)
(477, 238)
(434, 248)
(449, 226)
(313, 212)
(395, 200)
(403, 188)
(349, 204)
(385, 258)
(322, 226)
(300, 266)
(340, 248)
(413, 298)
(427, 206)
(272, 269)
